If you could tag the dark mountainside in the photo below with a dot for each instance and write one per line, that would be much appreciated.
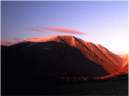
(54, 68)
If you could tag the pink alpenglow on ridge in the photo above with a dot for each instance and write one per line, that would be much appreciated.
(113, 64)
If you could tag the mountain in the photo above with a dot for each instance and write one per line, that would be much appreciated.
(112, 63)
(36, 62)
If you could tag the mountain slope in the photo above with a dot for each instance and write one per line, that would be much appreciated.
(112, 63)
(38, 63)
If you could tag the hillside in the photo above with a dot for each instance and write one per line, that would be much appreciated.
(38, 63)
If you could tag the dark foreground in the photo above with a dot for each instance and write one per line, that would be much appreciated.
(89, 88)
(115, 88)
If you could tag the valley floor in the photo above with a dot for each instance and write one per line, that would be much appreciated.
(104, 88)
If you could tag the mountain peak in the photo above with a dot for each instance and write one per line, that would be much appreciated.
(112, 63)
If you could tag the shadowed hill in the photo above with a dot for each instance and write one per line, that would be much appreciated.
(36, 64)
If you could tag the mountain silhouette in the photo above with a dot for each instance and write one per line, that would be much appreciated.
(37, 62)
(111, 62)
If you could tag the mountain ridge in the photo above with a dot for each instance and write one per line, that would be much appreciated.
(112, 63)
(93, 50)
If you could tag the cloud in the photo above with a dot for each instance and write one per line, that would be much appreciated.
(43, 29)
(58, 29)
(11, 42)
(5, 42)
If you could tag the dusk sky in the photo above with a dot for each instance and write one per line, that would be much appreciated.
(103, 22)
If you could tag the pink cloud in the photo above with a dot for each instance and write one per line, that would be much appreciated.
(58, 29)
(43, 29)
(11, 42)
(5, 42)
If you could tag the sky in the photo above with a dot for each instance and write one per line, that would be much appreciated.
(103, 22)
